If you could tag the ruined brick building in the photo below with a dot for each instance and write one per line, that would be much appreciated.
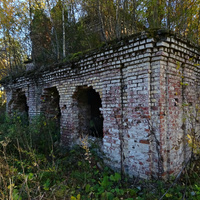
(131, 92)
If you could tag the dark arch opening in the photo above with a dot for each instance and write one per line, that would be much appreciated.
(19, 103)
(50, 104)
(90, 119)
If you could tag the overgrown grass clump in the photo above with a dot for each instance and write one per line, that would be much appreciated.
(34, 166)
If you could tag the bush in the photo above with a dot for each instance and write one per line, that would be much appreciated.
(40, 134)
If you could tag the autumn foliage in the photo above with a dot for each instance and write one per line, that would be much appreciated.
(48, 31)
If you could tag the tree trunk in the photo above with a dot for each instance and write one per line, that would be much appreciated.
(63, 25)
(118, 25)
(101, 21)
(134, 26)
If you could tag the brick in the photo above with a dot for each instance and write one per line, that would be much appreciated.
(111, 84)
(144, 141)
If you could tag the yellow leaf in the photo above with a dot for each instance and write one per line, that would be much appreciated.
(189, 139)
(178, 65)
(78, 197)
(11, 186)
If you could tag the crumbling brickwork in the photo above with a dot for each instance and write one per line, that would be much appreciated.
(133, 90)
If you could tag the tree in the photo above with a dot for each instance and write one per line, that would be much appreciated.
(41, 38)
(55, 29)
(11, 52)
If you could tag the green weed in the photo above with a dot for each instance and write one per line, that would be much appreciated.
(31, 170)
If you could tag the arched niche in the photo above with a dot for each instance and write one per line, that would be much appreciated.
(50, 104)
(18, 103)
(88, 117)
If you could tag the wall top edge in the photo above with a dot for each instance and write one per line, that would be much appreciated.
(155, 36)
